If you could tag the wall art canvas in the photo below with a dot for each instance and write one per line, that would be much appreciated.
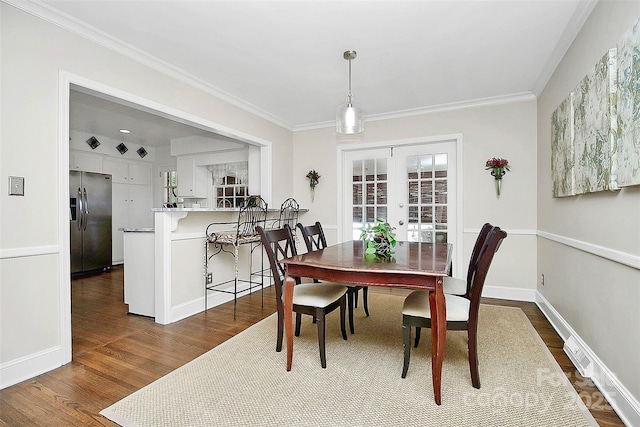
(562, 158)
(626, 160)
(595, 126)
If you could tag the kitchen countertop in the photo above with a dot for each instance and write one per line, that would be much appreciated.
(137, 230)
(210, 210)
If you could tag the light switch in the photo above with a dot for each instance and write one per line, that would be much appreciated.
(16, 186)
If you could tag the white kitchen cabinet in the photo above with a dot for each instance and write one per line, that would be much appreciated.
(139, 286)
(79, 161)
(128, 172)
(131, 208)
(140, 173)
(119, 171)
(132, 200)
(192, 179)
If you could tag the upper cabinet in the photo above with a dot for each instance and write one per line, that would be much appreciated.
(192, 179)
(128, 173)
(79, 161)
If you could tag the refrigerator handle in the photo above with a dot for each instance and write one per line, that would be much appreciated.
(86, 209)
(79, 210)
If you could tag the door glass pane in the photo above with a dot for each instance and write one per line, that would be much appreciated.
(357, 216)
(371, 214)
(427, 196)
(381, 194)
(370, 198)
(369, 169)
(381, 212)
(357, 194)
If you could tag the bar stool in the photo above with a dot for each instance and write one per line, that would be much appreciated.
(253, 213)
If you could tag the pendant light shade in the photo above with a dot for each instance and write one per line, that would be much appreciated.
(349, 118)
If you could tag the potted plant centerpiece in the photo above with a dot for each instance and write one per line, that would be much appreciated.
(379, 239)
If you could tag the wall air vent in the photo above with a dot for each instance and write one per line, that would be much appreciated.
(578, 357)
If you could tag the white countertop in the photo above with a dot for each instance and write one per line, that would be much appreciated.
(211, 210)
(137, 229)
(194, 209)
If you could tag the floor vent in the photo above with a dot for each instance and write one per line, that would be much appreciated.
(578, 357)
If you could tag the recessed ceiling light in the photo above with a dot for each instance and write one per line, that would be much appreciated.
(125, 131)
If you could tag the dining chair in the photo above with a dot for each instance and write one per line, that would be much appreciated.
(455, 286)
(251, 214)
(314, 239)
(314, 299)
(462, 311)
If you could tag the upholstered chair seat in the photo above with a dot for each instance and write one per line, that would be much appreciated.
(417, 305)
(317, 294)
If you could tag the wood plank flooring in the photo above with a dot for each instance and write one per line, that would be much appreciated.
(115, 354)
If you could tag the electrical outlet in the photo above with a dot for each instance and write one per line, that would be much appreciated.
(209, 278)
(542, 279)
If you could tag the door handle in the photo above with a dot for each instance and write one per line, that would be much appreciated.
(79, 210)
(86, 209)
(401, 222)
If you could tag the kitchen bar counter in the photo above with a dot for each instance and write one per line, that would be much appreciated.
(210, 210)
(175, 250)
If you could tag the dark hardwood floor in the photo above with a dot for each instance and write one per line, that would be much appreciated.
(115, 354)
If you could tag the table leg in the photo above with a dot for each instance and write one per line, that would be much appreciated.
(288, 318)
(438, 336)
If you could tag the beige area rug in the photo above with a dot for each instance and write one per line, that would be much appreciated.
(243, 382)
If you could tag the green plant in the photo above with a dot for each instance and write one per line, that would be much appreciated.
(379, 238)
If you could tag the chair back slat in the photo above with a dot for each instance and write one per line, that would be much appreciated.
(313, 236)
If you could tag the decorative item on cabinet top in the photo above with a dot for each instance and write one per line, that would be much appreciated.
(141, 152)
(122, 148)
(93, 142)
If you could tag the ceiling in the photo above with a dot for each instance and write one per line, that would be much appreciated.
(283, 60)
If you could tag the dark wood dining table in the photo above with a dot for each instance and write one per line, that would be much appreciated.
(413, 266)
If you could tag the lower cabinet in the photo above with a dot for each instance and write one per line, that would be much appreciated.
(131, 208)
(139, 292)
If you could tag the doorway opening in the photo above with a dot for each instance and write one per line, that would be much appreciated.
(67, 82)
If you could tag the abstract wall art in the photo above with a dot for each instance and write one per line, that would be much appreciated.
(594, 126)
(626, 160)
(562, 159)
(595, 131)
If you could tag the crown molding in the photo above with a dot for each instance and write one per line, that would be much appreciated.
(452, 106)
(580, 16)
(63, 20)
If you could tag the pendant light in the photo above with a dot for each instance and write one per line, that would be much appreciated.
(349, 118)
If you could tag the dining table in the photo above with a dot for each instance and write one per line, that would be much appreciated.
(412, 265)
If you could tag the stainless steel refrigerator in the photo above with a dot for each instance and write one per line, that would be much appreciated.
(90, 215)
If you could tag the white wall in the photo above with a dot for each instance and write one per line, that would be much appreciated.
(34, 53)
(589, 249)
(506, 130)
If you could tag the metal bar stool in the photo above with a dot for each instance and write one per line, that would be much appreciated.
(252, 213)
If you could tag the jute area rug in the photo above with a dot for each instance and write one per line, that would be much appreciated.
(243, 382)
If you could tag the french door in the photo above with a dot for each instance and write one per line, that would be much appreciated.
(413, 187)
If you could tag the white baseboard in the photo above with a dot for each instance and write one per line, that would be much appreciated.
(515, 294)
(196, 306)
(27, 367)
(621, 400)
